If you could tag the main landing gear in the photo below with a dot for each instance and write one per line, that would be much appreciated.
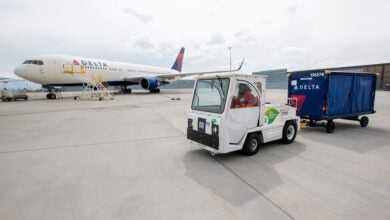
(51, 96)
(125, 90)
(54, 92)
(157, 90)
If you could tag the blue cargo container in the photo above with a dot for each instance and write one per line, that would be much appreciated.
(327, 95)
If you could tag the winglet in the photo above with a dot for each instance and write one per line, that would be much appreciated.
(242, 63)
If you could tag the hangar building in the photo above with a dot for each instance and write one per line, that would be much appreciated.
(277, 79)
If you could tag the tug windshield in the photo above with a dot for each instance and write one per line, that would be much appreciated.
(210, 95)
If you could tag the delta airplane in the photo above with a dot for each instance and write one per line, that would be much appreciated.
(62, 70)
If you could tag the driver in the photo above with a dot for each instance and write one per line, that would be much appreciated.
(245, 98)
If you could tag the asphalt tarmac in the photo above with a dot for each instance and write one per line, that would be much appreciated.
(129, 159)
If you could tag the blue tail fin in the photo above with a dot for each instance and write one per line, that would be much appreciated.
(179, 60)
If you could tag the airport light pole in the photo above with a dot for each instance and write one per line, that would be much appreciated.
(230, 52)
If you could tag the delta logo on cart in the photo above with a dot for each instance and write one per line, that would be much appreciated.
(294, 84)
(298, 100)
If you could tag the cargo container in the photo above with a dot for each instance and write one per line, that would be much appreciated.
(322, 96)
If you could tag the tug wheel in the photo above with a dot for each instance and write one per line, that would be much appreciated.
(251, 145)
(289, 132)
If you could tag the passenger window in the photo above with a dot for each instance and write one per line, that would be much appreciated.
(244, 96)
(35, 62)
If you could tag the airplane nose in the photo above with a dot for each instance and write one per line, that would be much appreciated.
(19, 71)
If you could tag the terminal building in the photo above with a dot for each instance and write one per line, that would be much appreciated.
(278, 79)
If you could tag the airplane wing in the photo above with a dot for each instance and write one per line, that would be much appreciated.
(177, 76)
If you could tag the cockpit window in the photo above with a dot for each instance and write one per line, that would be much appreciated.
(36, 62)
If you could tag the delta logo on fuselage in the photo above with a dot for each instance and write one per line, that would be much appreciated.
(90, 63)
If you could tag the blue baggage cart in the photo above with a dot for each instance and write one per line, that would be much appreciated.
(327, 95)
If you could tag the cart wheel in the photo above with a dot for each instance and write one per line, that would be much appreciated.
(330, 126)
(364, 121)
(289, 132)
(251, 145)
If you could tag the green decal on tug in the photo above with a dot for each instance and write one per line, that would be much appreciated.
(270, 115)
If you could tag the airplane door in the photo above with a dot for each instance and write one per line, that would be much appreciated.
(244, 112)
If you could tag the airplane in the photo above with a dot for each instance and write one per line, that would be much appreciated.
(63, 70)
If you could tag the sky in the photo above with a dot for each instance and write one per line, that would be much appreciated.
(270, 34)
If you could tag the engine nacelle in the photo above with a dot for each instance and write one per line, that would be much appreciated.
(149, 83)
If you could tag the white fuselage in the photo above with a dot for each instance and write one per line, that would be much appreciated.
(49, 70)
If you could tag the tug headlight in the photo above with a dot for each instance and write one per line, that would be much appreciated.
(214, 129)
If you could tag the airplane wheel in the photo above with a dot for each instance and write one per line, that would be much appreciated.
(126, 91)
(51, 96)
(158, 90)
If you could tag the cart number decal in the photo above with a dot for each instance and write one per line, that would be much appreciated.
(202, 125)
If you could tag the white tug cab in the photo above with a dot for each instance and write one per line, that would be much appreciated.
(229, 113)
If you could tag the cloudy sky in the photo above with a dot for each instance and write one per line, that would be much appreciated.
(293, 34)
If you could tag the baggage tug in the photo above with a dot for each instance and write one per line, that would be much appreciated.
(229, 113)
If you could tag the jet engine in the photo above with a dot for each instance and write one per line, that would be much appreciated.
(149, 83)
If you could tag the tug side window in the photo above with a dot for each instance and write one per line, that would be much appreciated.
(244, 96)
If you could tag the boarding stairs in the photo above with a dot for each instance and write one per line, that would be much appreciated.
(95, 87)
